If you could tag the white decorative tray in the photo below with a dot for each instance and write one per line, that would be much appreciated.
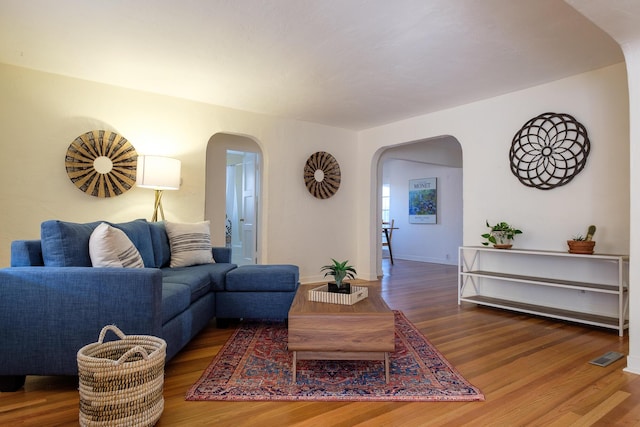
(321, 294)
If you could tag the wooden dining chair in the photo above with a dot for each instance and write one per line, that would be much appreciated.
(388, 233)
(387, 230)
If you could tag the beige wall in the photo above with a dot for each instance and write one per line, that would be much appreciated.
(41, 114)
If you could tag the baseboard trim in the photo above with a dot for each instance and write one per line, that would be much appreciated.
(633, 365)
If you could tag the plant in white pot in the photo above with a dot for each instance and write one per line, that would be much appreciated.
(501, 235)
(340, 271)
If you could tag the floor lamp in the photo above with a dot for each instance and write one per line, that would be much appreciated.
(158, 173)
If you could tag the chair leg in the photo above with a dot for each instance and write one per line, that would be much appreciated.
(386, 233)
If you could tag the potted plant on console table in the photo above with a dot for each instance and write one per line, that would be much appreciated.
(501, 235)
(583, 245)
(339, 271)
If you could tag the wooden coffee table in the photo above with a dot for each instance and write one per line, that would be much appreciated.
(324, 331)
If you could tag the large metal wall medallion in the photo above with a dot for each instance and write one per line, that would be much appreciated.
(322, 175)
(549, 151)
(101, 163)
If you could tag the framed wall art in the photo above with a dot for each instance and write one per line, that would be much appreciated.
(423, 201)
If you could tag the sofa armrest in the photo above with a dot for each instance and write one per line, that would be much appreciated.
(221, 254)
(25, 253)
(48, 313)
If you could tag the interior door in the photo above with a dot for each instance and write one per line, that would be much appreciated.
(249, 208)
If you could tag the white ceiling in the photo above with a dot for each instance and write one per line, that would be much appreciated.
(347, 63)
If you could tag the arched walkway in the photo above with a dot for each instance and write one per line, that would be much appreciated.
(216, 190)
(440, 158)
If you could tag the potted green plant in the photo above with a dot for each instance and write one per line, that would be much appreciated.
(500, 235)
(580, 244)
(339, 271)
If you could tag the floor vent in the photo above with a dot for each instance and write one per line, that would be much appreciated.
(607, 358)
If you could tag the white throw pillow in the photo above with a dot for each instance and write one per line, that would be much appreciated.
(190, 243)
(110, 247)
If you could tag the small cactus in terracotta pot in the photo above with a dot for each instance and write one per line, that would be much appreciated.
(581, 244)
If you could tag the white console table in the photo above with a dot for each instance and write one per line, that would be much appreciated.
(553, 284)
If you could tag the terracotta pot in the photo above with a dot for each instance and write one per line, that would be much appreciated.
(497, 246)
(581, 246)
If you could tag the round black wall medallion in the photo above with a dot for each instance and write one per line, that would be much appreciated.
(322, 175)
(549, 151)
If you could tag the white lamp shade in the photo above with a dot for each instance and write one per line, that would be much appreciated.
(159, 173)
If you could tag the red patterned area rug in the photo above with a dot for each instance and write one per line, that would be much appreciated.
(254, 364)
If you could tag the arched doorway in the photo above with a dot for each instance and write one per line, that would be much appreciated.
(232, 194)
(439, 158)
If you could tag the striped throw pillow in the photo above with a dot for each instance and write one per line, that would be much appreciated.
(190, 243)
(110, 247)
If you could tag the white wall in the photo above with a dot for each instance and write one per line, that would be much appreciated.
(41, 114)
(632, 56)
(599, 195)
(620, 18)
(425, 242)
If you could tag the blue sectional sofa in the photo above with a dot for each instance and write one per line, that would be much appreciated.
(53, 301)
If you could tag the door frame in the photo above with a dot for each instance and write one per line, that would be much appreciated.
(215, 185)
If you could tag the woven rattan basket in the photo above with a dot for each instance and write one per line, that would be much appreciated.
(121, 381)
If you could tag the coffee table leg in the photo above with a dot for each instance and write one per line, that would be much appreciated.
(386, 366)
(293, 370)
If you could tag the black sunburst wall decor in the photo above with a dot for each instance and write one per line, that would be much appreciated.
(549, 151)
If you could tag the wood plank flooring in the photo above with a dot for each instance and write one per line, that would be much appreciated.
(533, 371)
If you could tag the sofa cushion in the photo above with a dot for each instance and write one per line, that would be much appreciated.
(197, 280)
(263, 278)
(176, 298)
(160, 241)
(66, 244)
(215, 274)
(190, 243)
(218, 274)
(110, 247)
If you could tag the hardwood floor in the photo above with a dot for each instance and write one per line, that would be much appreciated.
(533, 371)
